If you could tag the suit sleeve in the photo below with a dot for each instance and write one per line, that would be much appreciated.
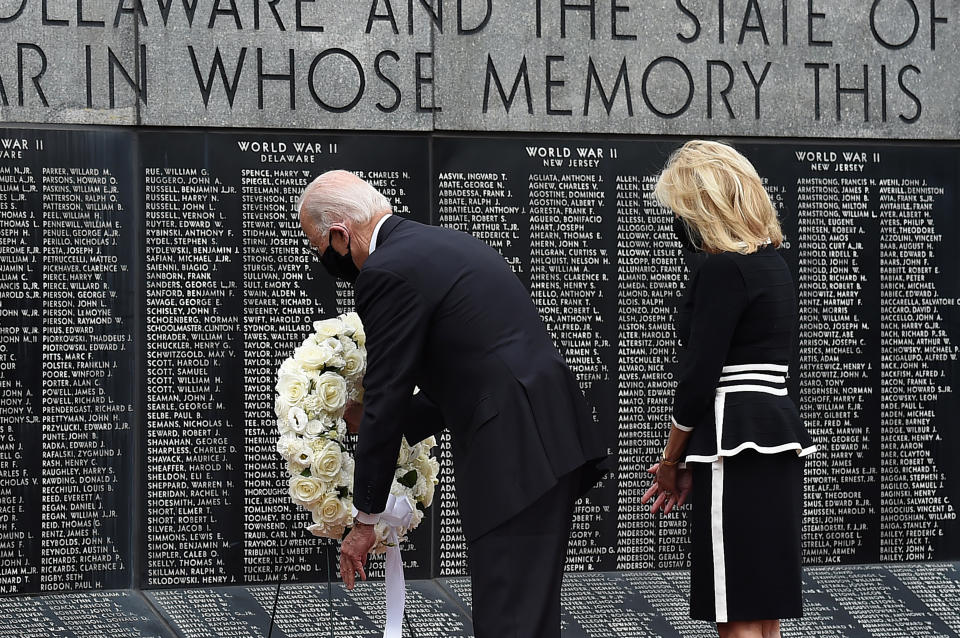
(719, 298)
(423, 419)
(395, 318)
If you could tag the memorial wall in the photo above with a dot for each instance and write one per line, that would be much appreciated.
(153, 274)
(155, 281)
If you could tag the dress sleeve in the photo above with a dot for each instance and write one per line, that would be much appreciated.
(719, 298)
(395, 318)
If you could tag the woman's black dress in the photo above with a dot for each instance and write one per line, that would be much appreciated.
(736, 327)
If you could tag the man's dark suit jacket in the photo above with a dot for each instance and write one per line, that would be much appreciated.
(444, 311)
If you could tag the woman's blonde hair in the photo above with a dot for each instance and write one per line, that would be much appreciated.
(718, 193)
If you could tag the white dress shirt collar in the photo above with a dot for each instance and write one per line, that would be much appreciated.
(376, 233)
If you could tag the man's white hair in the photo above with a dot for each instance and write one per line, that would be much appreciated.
(337, 196)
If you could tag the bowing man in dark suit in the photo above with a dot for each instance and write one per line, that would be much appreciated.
(444, 312)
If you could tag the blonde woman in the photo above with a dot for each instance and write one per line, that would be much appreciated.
(736, 442)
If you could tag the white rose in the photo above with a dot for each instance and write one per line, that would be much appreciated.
(312, 356)
(328, 328)
(354, 364)
(332, 529)
(427, 466)
(354, 328)
(336, 359)
(332, 390)
(347, 344)
(330, 510)
(306, 490)
(280, 407)
(293, 386)
(427, 498)
(289, 365)
(327, 462)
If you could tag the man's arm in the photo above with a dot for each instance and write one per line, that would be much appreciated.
(395, 319)
(423, 419)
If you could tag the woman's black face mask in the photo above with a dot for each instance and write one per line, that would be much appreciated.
(688, 237)
(340, 266)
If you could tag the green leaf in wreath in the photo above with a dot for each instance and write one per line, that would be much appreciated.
(409, 479)
(306, 473)
(343, 491)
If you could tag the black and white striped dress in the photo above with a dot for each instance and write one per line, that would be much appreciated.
(736, 326)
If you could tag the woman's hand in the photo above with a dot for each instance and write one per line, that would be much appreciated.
(670, 487)
(666, 476)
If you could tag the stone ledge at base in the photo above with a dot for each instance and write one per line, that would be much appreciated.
(920, 600)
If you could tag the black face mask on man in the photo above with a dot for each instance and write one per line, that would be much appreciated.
(688, 237)
(340, 266)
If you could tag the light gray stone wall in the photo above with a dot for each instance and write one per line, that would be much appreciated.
(44, 64)
(649, 67)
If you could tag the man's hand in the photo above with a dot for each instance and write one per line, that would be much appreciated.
(354, 550)
(353, 415)
(671, 487)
